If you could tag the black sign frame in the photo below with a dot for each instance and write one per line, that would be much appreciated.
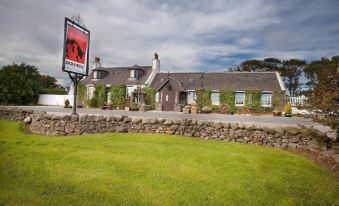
(69, 21)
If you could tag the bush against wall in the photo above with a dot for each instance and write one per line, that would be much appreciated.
(203, 97)
(99, 96)
(227, 97)
(253, 101)
(118, 96)
(81, 93)
(150, 96)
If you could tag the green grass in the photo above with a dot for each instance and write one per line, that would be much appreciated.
(145, 169)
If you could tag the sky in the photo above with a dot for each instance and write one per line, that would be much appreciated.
(187, 35)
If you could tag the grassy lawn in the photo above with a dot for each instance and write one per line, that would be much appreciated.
(145, 169)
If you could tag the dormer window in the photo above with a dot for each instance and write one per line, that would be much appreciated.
(98, 74)
(135, 73)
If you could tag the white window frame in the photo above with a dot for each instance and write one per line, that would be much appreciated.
(216, 95)
(95, 74)
(157, 97)
(90, 92)
(235, 98)
(132, 73)
(270, 100)
(193, 99)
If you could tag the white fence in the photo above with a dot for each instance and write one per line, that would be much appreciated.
(295, 101)
(54, 99)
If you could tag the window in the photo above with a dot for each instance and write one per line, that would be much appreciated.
(166, 98)
(190, 97)
(239, 98)
(132, 73)
(95, 75)
(90, 92)
(215, 98)
(157, 97)
(266, 99)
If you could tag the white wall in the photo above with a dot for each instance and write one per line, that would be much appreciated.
(54, 99)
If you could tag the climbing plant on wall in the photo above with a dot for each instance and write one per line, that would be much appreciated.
(253, 100)
(118, 96)
(203, 97)
(228, 97)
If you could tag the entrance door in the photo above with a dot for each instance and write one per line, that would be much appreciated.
(168, 98)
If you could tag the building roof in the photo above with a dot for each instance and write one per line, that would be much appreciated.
(238, 81)
(119, 75)
(175, 83)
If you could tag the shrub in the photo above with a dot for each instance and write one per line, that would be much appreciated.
(118, 96)
(81, 93)
(92, 102)
(133, 107)
(66, 103)
(223, 109)
(214, 109)
(288, 109)
(100, 94)
(150, 96)
(276, 112)
(206, 110)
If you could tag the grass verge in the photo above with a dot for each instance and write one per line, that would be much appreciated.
(146, 169)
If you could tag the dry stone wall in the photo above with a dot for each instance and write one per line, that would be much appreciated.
(279, 137)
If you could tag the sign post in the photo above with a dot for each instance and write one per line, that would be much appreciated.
(75, 53)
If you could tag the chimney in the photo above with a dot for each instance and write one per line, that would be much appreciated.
(155, 69)
(96, 63)
(156, 63)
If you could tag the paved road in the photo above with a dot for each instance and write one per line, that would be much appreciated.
(264, 119)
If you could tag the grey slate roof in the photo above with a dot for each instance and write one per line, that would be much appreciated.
(237, 81)
(119, 75)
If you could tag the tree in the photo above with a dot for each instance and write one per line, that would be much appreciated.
(316, 69)
(266, 65)
(272, 64)
(21, 84)
(291, 71)
(252, 65)
(323, 98)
